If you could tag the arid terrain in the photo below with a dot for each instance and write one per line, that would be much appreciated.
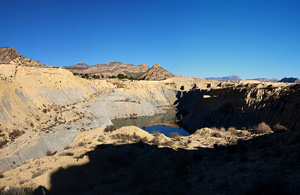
(57, 136)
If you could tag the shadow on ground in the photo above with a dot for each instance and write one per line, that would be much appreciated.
(239, 107)
(265, 165)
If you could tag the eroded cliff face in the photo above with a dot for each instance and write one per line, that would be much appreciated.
(241, 106)
(44, 108)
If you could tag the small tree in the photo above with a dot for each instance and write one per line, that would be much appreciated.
(96, 77)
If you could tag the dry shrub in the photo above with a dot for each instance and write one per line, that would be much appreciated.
(233, 131)
(15, 133)
(215, 129)
(49, 153)
(173, 135)
(216, 134)
(126, 137)
(145, 140)
(263, 128)
(120, 85)
(3, 142)
(222, 129)
(279, 128)
(109, 128)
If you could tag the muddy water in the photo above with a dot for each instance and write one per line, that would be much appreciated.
(163, 123)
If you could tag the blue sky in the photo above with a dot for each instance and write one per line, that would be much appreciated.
(197, 38)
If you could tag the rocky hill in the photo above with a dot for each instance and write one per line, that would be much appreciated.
(290, 80)
(9, 55)
(114, 68)
(157, 73)
(78, 65)
(227, 78)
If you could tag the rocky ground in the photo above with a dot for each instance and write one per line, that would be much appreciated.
(130, 160)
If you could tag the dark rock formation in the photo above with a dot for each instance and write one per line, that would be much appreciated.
(9, 55)
(240, 107)
(290, 80)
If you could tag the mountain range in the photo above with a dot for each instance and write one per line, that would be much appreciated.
(9, 55)
(227, 78)
(114, 68)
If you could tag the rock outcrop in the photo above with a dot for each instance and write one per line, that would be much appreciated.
(157, 73)
(290, 80)
(9, 55)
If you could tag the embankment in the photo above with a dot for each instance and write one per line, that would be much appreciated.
(242, 106)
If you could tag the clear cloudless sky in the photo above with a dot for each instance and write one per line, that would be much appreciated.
(196, 38)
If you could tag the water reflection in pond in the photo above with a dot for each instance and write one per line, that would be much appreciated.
(162, 123)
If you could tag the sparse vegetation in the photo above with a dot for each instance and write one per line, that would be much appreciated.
(263, 128)
(68, 154)
(279, 128)
(18, 191)
(110, 128)
(49, 153)
(96, 77)
(126, 138)
(15, 133)
(3, 142)
(122, 76)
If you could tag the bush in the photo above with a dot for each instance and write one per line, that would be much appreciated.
(15, 133)
(3, 142)
(85, 76)
(110, 128)
(122, 76)
(173, 135)
(49, 153)
(232, 131)
(96, 77)
(263, 128)
(280, 128)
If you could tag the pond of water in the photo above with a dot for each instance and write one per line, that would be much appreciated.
(162, 123)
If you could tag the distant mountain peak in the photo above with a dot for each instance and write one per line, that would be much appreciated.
(265, 79)
(227, 78)
(144, 65)
(156, 65)
(290, 80)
